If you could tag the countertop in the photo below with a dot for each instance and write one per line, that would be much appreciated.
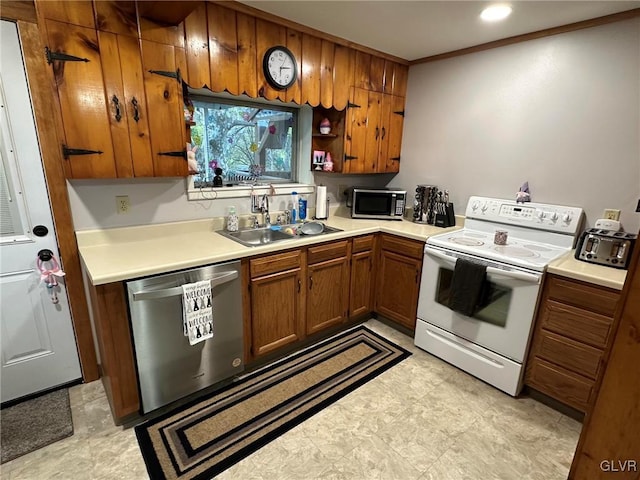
(116, 254)
(568, 266)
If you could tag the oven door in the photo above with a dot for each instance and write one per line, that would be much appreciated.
(504, 315)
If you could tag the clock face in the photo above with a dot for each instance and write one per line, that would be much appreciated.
(280, 68)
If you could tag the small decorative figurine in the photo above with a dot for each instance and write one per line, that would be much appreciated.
(523, 194)
(217, 180)
(325, 126)
(192, 163)
(328, 163)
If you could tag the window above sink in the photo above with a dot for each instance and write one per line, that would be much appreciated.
(246, 137)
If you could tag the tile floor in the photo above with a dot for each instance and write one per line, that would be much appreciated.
(422, 419)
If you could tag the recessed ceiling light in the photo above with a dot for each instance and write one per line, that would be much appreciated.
(495, 13)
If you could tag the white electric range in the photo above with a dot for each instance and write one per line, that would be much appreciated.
(492, 341)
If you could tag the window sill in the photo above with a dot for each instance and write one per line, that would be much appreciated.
(246, 191)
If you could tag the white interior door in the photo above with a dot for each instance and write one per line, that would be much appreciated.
(37, 339)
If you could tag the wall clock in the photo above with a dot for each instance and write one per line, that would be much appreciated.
(280, 67)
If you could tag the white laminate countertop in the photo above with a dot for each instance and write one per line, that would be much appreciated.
(116, 254)
(568, 266)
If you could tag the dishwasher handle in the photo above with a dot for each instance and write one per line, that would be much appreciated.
(175, 291)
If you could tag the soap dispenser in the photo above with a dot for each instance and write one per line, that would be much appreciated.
(232, 220)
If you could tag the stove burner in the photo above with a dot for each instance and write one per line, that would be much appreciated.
(470, 242)
(537, 248)
(511, 251)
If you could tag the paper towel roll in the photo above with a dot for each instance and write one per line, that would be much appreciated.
(321, 202)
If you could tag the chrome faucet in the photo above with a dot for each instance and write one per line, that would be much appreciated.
(264, 208)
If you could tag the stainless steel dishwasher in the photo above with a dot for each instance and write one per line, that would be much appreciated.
(168, 367)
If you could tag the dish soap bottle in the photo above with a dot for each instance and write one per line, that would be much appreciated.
(232, 220)
(294, 207)
(302, 208)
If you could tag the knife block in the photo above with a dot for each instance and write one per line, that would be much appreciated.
(447, 219)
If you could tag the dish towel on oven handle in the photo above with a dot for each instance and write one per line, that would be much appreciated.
(197, 311)
(466, 286)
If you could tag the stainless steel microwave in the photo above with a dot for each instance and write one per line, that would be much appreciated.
(376, 203)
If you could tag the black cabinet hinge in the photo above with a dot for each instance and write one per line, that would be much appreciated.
(349, 157)
(67, 152)
(61, 57)
(401, 113)
(179, 153)
(169, 74)
(353, 105)
(397, 159)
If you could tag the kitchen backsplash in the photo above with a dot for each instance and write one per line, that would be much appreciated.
(93, 202)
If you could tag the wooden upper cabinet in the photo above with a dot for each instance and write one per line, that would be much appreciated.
(197, 47)
(116, 17)
(362, 70)
(356, 135)
(311, 59)
(76, 12)
(294, 43)
(164, 104)
(247, 65)
(268, 35)
(159, 32)
(80, 89)
(400, 76)
(167, 13)
(373, 132)
(223, 49)
(377, 74)
(327, 59)
(392, 122)
(343, 71)
(124, 87)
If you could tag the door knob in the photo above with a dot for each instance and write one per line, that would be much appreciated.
(40, 231)
(45, 255)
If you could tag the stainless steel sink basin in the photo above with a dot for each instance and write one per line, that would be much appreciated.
(254, 237)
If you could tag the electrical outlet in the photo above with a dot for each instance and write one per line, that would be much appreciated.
(122, 204)
(611, 214)
(341, 190)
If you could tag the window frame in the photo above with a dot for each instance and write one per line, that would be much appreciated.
(302, 180)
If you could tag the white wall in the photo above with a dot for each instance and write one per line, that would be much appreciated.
(561, 112)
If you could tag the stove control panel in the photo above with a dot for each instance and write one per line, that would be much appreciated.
(541, 216)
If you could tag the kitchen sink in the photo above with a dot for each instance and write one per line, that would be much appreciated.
(254, 237)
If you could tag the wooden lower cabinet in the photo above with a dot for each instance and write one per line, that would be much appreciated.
(362, 275)
(328, 294)
(276, 307)
(398, 273)
(571, 340)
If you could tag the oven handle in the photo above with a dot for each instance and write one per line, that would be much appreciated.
(527, 277)
(175, 291)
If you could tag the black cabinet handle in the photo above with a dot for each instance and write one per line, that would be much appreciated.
(136, 113)
(383, 132)
(116, 103)
(310, 282)
(377, 132)
(299, 285)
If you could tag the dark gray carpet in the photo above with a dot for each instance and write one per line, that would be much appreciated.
(35, 423)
